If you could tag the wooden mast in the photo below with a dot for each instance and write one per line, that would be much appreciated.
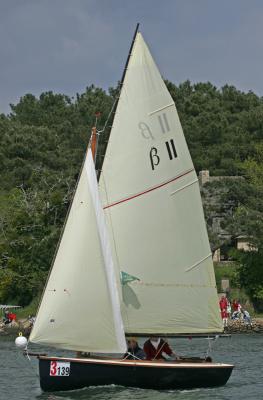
(93, 142)
(93, 138)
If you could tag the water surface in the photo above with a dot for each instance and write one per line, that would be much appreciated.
(19, 377)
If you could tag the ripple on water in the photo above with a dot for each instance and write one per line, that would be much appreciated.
(19, 380)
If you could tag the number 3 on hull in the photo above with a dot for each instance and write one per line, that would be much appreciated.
(59, 368)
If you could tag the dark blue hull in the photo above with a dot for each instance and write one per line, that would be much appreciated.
(142, 374)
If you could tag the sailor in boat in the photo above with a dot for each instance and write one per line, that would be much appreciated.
(134, 351)
(156, 348)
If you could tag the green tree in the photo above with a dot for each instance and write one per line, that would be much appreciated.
(42, 144)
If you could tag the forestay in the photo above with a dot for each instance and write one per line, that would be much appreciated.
(151, 198)
(80, 308)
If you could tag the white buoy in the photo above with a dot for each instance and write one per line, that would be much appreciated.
(21, 341)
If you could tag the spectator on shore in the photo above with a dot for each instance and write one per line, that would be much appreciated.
(224, 316)
(246, 317)
(31, 319)
(228, 309)
(235, 315)
(12, 316)
(6, 319)
(235, 305)
(223, 303)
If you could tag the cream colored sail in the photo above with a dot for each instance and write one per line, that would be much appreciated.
(154, 212)
(80, 308)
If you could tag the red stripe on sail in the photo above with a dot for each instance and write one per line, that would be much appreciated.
(148, 190)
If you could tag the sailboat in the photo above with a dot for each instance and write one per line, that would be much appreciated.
(134, 256)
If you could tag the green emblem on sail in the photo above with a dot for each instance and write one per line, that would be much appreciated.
(127, 278)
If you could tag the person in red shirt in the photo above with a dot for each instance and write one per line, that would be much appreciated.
(223, 303)
(157, 349)
(12, 316)
(235, 305)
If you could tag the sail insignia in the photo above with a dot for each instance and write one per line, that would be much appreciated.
(127, 278)
(153, 208)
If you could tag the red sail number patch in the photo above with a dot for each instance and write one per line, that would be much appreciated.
(59, 368)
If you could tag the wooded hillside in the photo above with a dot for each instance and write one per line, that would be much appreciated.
(43, 142)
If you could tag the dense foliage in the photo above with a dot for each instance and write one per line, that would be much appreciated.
(43, 142)
(239, 203)
(246, 199)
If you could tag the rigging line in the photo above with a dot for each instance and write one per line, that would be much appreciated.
(22, 362)
(102, 132)
(109, 115)
(159, 351)
(211, 341)
(148, 190)
(131, 354)
(120, 86)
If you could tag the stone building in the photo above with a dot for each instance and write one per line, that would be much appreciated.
(217, 215)
(204, 177)
(242, 243)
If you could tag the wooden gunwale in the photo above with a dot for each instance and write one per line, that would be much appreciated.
(139, 363)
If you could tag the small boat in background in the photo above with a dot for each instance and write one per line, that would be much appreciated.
(134, 256)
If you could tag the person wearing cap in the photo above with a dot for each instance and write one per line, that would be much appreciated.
(156, 349)
(134, 351)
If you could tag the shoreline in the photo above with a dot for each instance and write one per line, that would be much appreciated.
(15, 327)
(234, 327)
(238, 326)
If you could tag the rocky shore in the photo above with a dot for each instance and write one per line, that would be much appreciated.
(15, 327)
(237, 326)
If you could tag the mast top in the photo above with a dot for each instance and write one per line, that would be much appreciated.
(121, 84)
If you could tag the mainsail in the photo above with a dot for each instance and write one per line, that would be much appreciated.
(150, 195)
(80, 307)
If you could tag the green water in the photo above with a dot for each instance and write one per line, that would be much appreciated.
(19, 380)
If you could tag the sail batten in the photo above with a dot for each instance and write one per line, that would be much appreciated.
(184, 187)
(161, 109)
(198, 262)
(158, 186)
(151, 199)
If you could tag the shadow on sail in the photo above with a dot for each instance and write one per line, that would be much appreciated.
(129, 297)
